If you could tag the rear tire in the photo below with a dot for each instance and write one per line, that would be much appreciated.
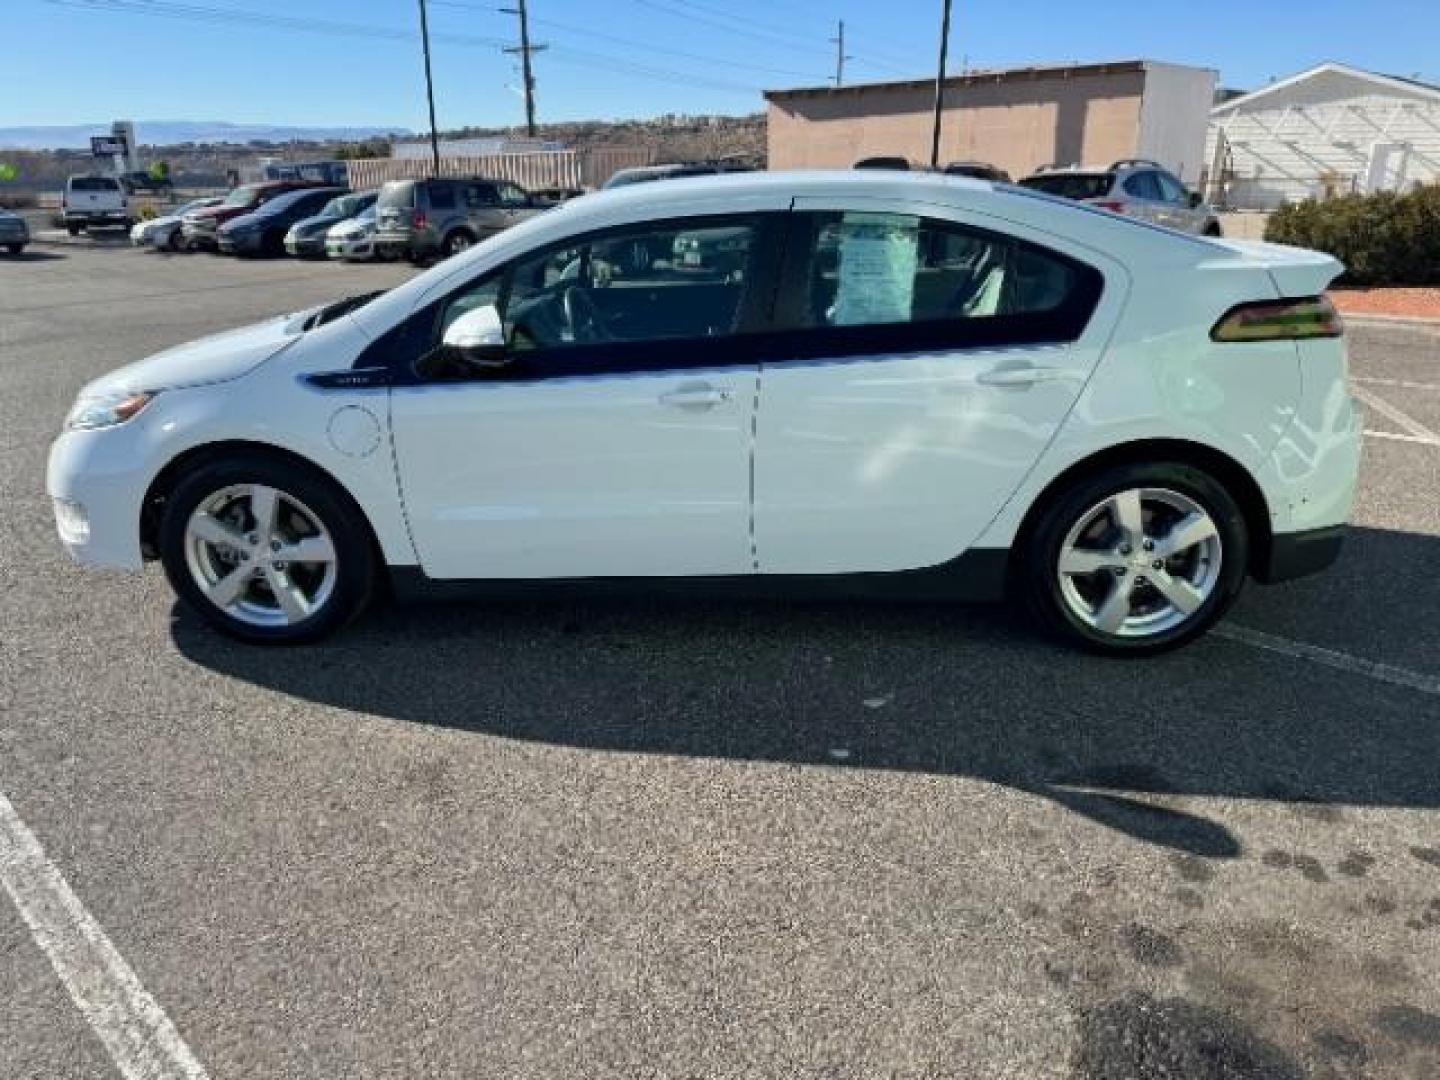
(293, 574)
(73, 230)
(1213, 230)
(456, 242)
(177, 241)
(1097, 568)
(15, 249)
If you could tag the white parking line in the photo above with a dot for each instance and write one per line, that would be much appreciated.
(1403, 384)
(1409, 423)
(134, 1029)
(1397, 437)
(1355, 665)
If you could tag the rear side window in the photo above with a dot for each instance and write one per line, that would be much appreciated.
(93, 183)
(478, 196)
(1143, 185)
(1071, 185)
(441, 196)
(894, 268)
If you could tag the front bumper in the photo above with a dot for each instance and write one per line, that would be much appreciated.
(97, 219)
(97, 487)
(303, 247)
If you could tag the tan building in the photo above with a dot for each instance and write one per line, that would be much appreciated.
(1016, 118)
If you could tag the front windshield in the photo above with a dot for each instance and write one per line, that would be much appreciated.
(241, 196)
(337, 207)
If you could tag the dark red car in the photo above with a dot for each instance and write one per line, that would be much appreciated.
(201, 228)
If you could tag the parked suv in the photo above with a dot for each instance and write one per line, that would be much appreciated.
(14, 233)
(202, 228)
(94, 202)
(1134, 187)
(423, 219)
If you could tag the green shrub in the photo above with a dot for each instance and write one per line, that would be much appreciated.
(1383, 239)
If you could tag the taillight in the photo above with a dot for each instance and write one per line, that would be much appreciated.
(1108, 204)
(1280, 320)
(418, 220)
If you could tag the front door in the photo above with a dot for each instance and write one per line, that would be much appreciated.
(930, 362)
(616, 441)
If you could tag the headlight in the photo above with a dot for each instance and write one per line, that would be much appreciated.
(102, 412)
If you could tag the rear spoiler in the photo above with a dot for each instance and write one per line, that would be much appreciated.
(1297, 272)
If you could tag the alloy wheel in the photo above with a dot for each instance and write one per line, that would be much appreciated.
(260, 555)
(1140, 562)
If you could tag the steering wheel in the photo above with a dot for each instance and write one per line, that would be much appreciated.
(582, 316)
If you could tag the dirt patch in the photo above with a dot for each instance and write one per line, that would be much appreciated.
(1395, 303)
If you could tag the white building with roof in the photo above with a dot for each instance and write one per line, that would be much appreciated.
(1331, 130)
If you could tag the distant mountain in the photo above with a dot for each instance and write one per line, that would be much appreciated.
(169, 132)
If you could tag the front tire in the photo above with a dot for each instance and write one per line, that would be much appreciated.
(265, 551)
(15, 249)
(1135, 559)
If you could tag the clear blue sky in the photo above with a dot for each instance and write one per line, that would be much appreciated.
(286, 62)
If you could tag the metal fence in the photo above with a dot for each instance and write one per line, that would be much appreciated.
(545, 168)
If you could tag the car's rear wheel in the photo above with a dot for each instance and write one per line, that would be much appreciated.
(1136, 559)
(15, 249)
(456, 242)
(177, 241)
(266, 552)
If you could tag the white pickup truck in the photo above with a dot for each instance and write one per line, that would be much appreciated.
(94, 202)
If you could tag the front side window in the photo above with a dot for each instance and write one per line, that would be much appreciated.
(513, 195)
(1171, 190)
(623, 287)
(1142, 185)
(869, 269)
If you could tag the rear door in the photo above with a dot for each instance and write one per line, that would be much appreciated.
(929, 358)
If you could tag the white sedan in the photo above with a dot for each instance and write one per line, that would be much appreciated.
(164, 232)
(353, 239)
(874, 384)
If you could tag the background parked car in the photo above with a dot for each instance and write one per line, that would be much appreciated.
(883, 162)
(423, 219)
(353, 240)
(645, 174)
(94, 202)
(14, 233)
(164, 232)
(306, 238)
(977, 170)
(262, 232)
(1134, 187)
(201, 227)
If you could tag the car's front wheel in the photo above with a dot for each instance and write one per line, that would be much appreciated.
(265, 551)
(15, 249)
(1136, 559)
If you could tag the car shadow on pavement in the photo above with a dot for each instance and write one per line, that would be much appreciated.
(30, 255)
(964, 691)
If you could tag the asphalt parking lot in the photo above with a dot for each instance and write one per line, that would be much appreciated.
(691, 839)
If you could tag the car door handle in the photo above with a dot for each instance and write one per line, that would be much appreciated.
(1020, 376)
(695, 396)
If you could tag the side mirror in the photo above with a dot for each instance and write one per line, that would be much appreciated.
(477, 339)
(1195, 199)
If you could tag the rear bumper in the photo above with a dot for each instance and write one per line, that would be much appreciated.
(1295, 555)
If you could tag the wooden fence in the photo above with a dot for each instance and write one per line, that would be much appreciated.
(539, 169)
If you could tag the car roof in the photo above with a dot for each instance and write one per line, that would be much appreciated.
(756, 192)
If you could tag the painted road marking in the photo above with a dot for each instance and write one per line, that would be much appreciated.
(134, 1029)
(1409, 423)
(1355, 665)
(1400, 438)
(1403, 384)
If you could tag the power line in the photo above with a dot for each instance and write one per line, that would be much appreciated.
(335, 28)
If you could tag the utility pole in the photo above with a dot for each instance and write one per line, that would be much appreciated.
(527, 76)
(940, 84)
(429, 87)
(840, 57)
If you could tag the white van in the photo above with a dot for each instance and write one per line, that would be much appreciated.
(94, 202)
